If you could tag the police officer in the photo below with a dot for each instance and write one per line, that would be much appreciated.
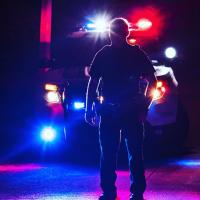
(115, 77)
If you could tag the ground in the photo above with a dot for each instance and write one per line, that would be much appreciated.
(175, 179)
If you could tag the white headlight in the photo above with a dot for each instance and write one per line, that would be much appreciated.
(170, 52)
(52, 97)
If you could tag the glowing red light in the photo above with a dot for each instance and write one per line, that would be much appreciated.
(144, 24)
(163, 89)
(132, 41)
(147, 23)
(156, 94)
(159, 84)
(45, 21)
(57, 110)
(19, 168)
(159, 91)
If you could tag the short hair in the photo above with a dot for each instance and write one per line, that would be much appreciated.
(119, 24)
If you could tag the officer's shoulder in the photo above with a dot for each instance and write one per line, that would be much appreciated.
(102, 50)
(99, 53)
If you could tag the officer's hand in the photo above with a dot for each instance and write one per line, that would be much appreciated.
(90, 118)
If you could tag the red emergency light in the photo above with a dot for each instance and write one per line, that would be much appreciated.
(144, 24)
(159, 91)
(147, 23)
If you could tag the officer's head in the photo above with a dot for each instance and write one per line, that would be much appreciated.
(119, 30)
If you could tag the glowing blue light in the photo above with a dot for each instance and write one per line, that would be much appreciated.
(48, 134)
(189, 163)
(99, 23)
(79, 105)
(91, 25)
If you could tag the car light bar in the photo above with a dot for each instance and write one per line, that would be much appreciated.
(99, 23)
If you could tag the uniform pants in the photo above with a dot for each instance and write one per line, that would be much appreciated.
(111, 128)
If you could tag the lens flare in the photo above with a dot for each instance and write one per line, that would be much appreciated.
(170, 52)
(99, 24)
(79, 105)
(52, 97)
(156, 94)
(144, 24)
(159, 84)
(48, 134)
(159, 92)
(147, 23)
(51, 87)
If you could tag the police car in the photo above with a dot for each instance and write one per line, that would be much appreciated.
(63, 95)
(167, 121)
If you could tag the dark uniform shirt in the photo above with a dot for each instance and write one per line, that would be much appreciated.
(120, 69)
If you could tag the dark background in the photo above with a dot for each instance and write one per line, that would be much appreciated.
(20, 22)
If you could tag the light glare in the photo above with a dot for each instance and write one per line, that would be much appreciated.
(170, 52)
(132, 41)
(163, 89)
(159, 84)
(99, 24)
(144, 24)
(91, 25)
(51, 87)
(48, 134)
(156, 94)
(189, 163)
(52, 97)
(79, 105)
(101, 99)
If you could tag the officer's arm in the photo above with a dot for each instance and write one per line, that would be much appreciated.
(91, 93)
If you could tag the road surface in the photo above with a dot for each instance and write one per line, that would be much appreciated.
(177, 179)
